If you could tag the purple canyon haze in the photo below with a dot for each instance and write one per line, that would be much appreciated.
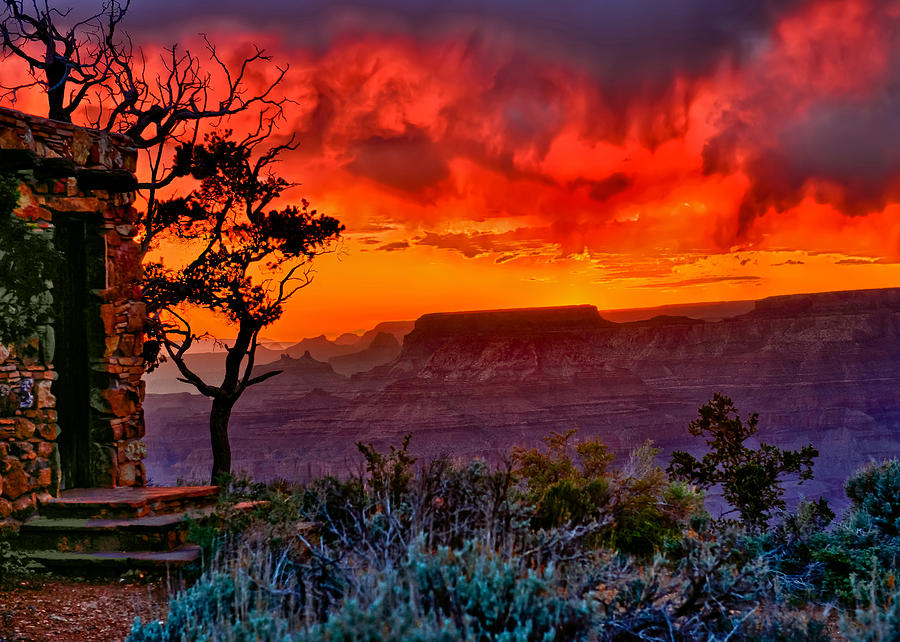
(818, 368)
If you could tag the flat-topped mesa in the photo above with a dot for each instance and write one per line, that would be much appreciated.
(827, 303)
(515, 321)
(454, 334)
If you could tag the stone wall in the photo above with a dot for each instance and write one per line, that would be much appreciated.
(70, 173)
(28, 455)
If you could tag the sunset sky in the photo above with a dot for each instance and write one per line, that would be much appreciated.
(625, 153)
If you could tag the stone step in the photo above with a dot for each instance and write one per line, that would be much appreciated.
(86, 535)
(106, 563)
(110, 503)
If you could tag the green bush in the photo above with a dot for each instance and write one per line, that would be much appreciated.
(878, 620)
(557, 545)
(875, 493)
(635, 509)
(466, 594)
(28, 264)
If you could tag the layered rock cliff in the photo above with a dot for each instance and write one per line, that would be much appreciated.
(819, 369)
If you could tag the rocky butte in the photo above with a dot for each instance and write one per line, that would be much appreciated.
(818, 368)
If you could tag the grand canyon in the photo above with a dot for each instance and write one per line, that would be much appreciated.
(818, 368)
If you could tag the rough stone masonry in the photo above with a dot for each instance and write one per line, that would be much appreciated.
(72, 174)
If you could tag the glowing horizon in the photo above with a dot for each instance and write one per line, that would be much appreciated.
(482, 157)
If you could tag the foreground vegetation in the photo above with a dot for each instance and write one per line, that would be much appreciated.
(561, 544)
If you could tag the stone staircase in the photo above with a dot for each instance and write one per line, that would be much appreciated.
(113, 530)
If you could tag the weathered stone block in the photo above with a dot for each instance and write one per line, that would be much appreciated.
(44, 394)
(126, 344)
(135, 450)
(108, 315)
(131, 474)
(112, 345)
(43, 478)
(23, 507)
(24, 450)
(24, 428)
(47, 431)
(137, 316)
(6, 508)
(81, 146)
(120, 403)
(134, 428)
(16, 483)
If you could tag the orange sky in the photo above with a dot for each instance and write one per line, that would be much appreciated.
(475, 169)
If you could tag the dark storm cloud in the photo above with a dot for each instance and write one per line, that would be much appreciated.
(849, 146)
(840, 146)
(705, 280)
(513, 243)
(410, 162)
(636, 42)
(393, 247)
(644, 59)
(603, 190)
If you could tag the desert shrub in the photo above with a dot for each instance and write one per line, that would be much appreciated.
(814, 559)
(706, 590)
(248, 592)
(467, 594)
(470, 593)
(389, 473)
(576, 549)
(776, 624)
(875, 493)
(791, 548)
(848, 555)
(635, 509)
(878, 620)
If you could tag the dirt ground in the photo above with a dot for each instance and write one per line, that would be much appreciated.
(77, 611)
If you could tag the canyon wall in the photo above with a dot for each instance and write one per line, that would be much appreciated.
(820, 369)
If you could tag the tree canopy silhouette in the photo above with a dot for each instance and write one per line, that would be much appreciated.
(250, 259)
(751, 479)
(93, 75)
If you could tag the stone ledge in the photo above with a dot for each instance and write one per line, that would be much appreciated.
(54, 140)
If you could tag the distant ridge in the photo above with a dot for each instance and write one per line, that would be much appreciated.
(512, 320)
(818, 368)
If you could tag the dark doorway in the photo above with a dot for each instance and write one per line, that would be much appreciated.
(71, 296)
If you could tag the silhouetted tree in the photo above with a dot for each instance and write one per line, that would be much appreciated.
(89, 68)
(68, 62)
(93, 75)
(251, 260)
(751, 479)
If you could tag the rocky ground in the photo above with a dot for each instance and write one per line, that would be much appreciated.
(77, 611)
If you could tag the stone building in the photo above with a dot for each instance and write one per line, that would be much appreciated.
(70, 399)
